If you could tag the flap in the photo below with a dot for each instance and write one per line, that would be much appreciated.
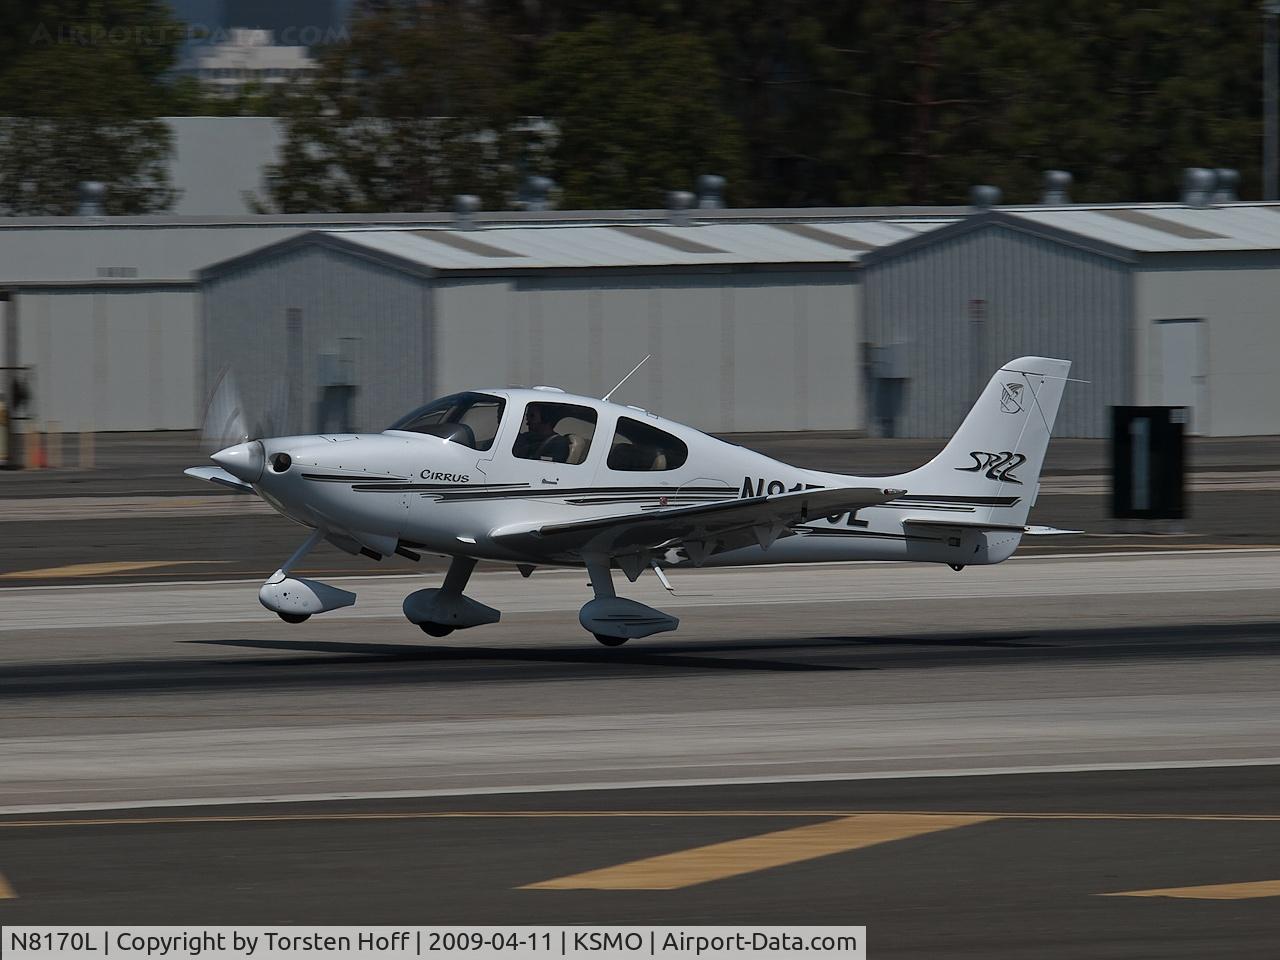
(755, 519)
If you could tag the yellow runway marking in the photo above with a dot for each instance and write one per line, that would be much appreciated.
(6, 891)
(99, 569)
(1213, 891)
(720, 861)
(624, 814)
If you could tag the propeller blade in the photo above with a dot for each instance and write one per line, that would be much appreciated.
(274, 421)
(224, 421)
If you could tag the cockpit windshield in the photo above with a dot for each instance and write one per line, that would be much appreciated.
(469, 419)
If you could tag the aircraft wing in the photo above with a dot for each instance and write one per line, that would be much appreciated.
(219, 476)
(702, 529)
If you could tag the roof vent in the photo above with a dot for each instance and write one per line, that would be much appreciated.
(92, 199)
(465, 206)
(1197, 186)
(1225, 190)
(984, 196)
(537, 193)
(710, 192)
(678, 204)
(1057, 188)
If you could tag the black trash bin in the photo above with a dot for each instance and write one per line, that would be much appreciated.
(1148, 463)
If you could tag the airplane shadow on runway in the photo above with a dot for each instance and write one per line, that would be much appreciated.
(665, 656)
(321, 664)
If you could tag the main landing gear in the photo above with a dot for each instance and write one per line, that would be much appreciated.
(613, 620)
(440, 611)
(296, 599)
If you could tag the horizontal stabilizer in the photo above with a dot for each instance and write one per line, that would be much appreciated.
(967, 524)
(219, 476)
(1031, 531)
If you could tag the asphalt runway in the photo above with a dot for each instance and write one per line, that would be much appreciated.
(1170, 863)
(923, 730)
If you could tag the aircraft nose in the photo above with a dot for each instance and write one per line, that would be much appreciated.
(244, 461)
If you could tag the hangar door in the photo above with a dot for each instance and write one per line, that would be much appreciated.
(1182, 369)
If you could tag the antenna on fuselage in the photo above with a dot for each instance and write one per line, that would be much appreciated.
(627, 377)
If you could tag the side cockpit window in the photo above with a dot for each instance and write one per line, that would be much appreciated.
(557, 432)
(469, 419)
(638, 446)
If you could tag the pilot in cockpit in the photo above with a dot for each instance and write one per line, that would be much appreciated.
(539, 440)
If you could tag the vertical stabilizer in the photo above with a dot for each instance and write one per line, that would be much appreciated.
(990, 469)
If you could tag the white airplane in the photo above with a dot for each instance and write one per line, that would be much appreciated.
(539, 477)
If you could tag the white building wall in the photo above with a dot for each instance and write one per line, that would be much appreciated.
(78, 253)
(1241, 339)
(111, 360)
(730, 352)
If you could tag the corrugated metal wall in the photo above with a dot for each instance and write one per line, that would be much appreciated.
(731, 351)
(966, 304)
(377, 315)
(111, 361)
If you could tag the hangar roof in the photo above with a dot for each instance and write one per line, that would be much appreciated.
(1130, 231)
(620, 245)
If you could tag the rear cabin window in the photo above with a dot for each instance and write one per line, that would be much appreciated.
(470, 419)
(638, 446)
(555, 432)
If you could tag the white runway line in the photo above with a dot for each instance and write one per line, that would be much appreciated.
(1207, 764)
(518, 753)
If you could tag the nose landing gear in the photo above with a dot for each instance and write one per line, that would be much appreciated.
(295, 599)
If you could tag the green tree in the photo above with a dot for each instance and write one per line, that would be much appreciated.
(418, 107)
(637, 112)
(81, 93)
(1124, 96)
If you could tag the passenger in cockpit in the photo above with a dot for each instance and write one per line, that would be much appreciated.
(539, 440)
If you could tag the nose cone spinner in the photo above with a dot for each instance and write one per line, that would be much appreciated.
(244, 461)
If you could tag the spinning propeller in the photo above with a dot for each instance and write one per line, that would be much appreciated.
(226, 436)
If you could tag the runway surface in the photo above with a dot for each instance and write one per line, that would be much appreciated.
(1049, 866)
(885, 706)
(193, 691)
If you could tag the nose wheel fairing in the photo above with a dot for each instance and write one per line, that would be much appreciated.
(294, 599)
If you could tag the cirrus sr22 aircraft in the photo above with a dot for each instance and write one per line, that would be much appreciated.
(539, 477)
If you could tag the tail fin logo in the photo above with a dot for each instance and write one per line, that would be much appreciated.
(998, 466)
(1011, 398)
